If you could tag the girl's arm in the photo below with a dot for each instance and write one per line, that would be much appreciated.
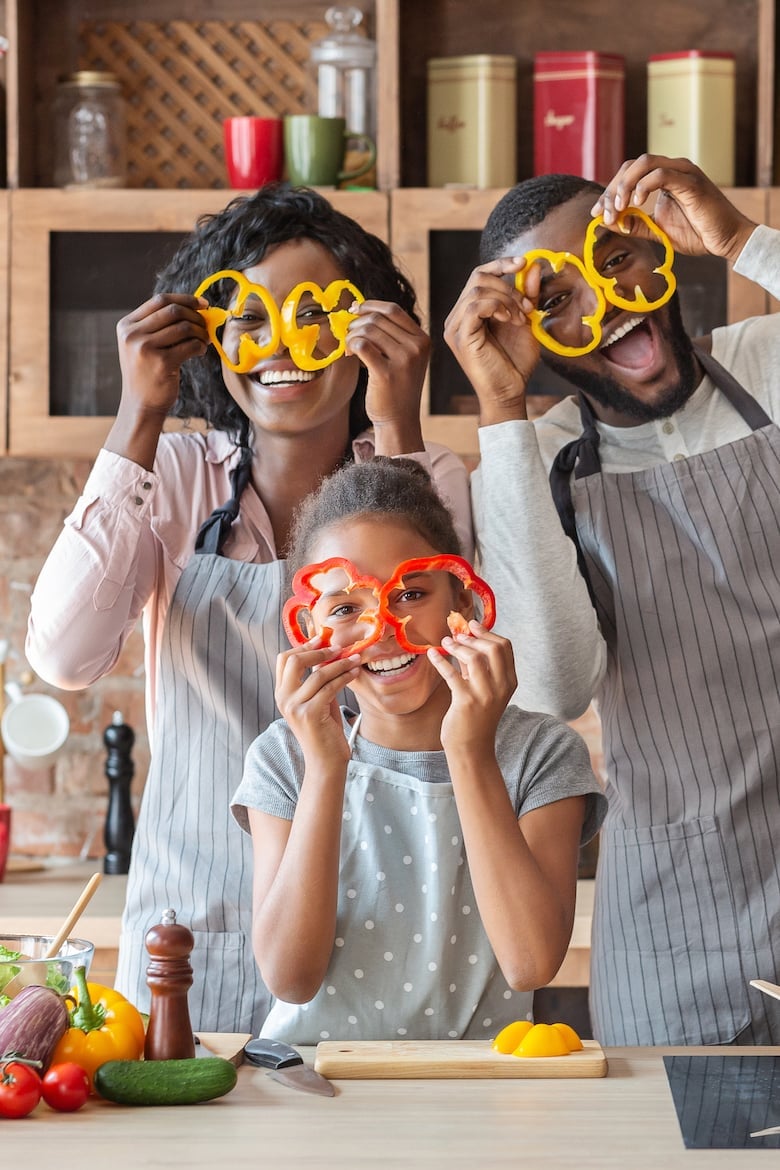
(524, 872)
(296, 863)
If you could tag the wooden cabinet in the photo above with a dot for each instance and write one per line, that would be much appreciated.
(186, 66)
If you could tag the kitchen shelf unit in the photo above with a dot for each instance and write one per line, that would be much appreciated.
(46, 40)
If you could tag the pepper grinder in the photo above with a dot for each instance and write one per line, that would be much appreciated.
(120, 822)
(169, 976)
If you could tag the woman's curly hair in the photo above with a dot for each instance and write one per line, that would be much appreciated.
(238, 237)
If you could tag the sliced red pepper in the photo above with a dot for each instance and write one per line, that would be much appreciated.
(449, 563)
(305, 594)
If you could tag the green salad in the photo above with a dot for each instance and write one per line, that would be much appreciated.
(8, 968)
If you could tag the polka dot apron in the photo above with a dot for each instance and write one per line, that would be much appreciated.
(411, 957)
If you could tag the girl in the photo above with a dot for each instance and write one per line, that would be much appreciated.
(416, 864)
(212, 620)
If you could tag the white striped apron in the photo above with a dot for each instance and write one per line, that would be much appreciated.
(683, 562)
(222, 634)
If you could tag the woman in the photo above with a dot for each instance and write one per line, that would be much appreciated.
(191, 531)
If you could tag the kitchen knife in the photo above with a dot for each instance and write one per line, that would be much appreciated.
(287, 1066)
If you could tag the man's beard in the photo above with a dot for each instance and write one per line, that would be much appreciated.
(608, 392)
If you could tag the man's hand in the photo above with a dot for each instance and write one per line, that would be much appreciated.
(489, 333)
(695, 214)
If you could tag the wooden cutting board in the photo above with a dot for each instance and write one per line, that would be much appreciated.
(448, 1059)
(228, 1045)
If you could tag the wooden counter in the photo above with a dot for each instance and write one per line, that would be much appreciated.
(36, 903)
(625, 1121)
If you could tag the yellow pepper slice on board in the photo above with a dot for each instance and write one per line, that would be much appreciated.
(301, 341)
(592, 321)
(249, 352)
(639, 303)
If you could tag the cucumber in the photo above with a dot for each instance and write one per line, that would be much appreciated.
(165, 1082)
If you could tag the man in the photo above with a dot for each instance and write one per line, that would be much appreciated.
(665, 472)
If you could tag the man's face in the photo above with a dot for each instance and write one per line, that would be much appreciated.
(644, 366)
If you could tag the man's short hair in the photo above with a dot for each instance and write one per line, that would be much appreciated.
(525, 206)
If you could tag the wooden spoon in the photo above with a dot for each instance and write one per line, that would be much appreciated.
(767, 988)
(31, 975)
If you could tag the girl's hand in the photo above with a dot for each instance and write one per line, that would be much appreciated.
(489, 333)
(695, 214)
(153, 341)
(395, 351)
(306, 694)
(481, 688)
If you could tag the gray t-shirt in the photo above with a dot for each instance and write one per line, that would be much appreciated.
(411, 957)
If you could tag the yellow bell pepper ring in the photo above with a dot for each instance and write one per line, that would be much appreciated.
(301, 341)
(249, 352)
(639, 303)
(537, 316)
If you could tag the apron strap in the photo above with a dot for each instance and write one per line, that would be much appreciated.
(212, 534)
(581, 455)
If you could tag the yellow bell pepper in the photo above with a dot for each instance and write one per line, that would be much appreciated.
(639, 302)
(537, 316)
(103, 1026)
(301, 341)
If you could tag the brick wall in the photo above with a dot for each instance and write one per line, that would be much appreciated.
(61, 811)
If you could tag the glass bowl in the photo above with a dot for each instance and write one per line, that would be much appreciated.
(34, 968)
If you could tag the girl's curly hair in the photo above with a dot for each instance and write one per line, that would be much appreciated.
(392, 489)
(238, 237)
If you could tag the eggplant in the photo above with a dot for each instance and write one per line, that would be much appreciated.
(32, 1024)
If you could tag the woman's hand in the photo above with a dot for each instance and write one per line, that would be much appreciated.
(153, 341)
(395, 351)
(692, 210)
(489, 333)
(481, 689)
(306, 693)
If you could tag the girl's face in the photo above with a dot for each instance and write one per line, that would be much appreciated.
(277, 396)
(391, 680)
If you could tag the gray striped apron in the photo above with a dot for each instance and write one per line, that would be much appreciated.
(683, 564)
(216, 684)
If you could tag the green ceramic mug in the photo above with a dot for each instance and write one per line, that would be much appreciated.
(314, 149)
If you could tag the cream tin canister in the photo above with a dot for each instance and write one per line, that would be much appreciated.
(472, 135)
(691, 110)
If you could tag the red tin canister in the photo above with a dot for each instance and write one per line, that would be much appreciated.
(579, 114)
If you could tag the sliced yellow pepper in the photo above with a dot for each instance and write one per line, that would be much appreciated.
(592, 321)
(249, 352)
(639, 303)
(301, 341)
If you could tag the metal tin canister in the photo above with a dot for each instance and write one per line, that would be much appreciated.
(691, 110)
(579, 114)
(472, 118)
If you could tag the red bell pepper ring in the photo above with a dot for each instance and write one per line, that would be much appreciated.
(449, 563)
(305, 594)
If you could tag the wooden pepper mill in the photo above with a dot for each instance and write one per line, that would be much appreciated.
(169, 976)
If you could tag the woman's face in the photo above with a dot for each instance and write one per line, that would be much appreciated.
(276, 396)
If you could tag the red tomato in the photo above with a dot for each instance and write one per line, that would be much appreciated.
(20, 1089)
(65, 1087)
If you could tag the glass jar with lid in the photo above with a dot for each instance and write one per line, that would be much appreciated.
(345, 62)
(89, 131)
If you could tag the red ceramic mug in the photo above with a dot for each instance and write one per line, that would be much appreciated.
(253, 150)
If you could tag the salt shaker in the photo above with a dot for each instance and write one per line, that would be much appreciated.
(169, 976)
